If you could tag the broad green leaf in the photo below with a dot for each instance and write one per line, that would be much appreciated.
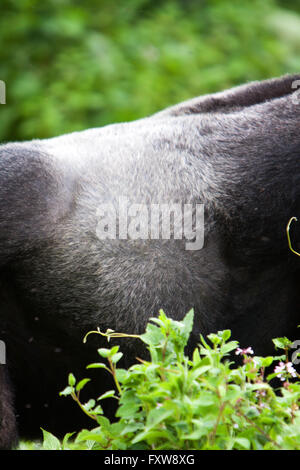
(157, 415)
(122, 375)
(66, 439)
(126, 410)
(50, 441)
(116, 357)
(67, 391)
(97, 365)
(108, 394)
(81, 384)
(104, 352)
(225, 348)
(199, 371)
(71, 380)
(86, 435)
(243, 442)
(89, 404)
(282, 343)
(152, 435)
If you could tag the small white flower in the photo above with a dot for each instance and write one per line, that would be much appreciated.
(291, 370)
(279, 369)
(263, 405)
(282, 367)
(260, 393)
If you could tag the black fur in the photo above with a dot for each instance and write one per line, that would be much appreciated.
(238, 152)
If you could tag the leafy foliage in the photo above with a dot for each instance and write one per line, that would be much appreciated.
(69, 65)
(206, 402)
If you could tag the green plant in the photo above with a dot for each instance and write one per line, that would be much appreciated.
(203, 402)
(288, 235)
(70, 65)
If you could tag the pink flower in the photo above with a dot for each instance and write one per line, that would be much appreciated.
(248, 350)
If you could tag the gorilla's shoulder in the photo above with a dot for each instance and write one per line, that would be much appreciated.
(34, 195)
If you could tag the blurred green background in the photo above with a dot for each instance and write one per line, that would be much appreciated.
(69, 65)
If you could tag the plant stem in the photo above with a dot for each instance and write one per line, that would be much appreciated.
(212, 436)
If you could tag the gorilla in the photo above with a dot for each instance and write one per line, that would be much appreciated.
(66, 266)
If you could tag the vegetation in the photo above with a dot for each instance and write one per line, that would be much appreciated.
(206, 402)
(69, 65)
